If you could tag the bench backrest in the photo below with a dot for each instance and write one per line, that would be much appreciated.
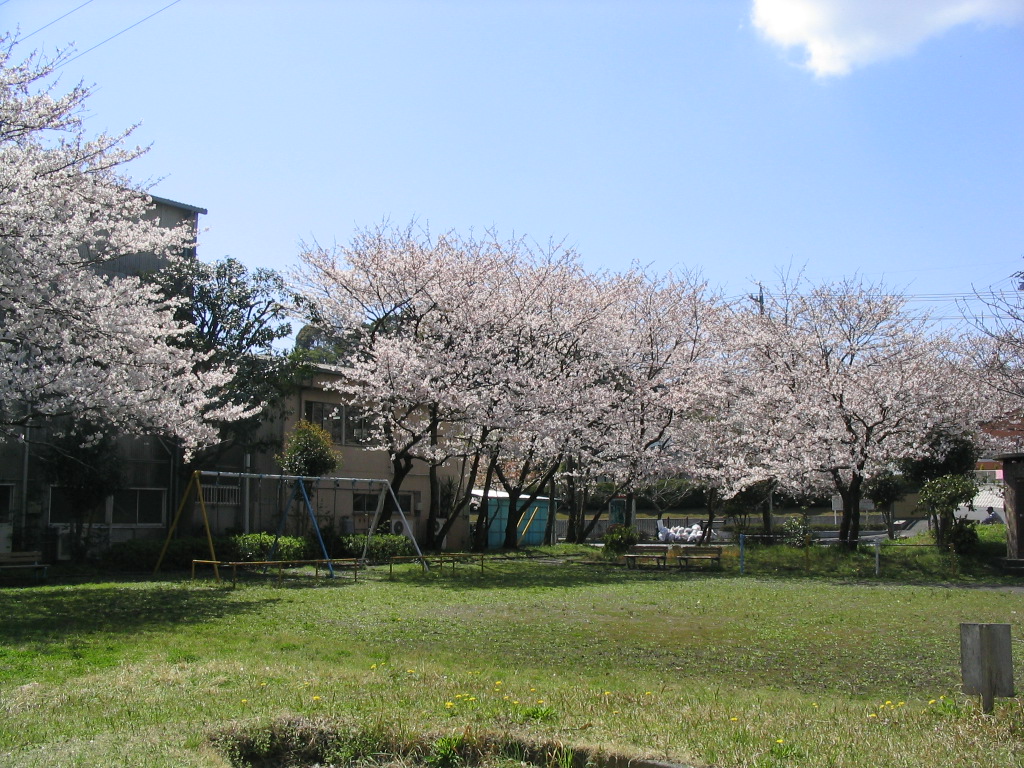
(20, 557)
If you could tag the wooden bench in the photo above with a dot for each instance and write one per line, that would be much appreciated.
(698, 554)
(24, 562)
(659, 557)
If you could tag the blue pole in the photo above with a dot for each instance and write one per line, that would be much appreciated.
(743, 551)
(316, 526)
(280, 525)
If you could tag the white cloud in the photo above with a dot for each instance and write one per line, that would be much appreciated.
(839, 35)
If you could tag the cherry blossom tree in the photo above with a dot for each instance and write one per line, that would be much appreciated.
(74, 342)
(455, 347)
(840, 382)
(658, 348)
(998, 350)
(514, 360)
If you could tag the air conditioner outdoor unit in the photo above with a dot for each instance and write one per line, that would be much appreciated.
(399, 527)
(63, 537)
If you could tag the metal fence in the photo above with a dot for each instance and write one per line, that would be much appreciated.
(648, 526)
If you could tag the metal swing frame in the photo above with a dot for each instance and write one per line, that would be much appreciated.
(195, 486)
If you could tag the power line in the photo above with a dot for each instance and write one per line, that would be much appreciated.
(104, 42)
(26, 37)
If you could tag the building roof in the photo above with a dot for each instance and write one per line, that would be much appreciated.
(176, 204)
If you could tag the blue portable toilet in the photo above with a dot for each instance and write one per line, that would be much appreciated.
(531, 526)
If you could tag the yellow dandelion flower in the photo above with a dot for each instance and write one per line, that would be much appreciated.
(497, 682)
(263, 685)
(932, 701)
(245, 701)
(471, 698)
(733, 719)
(410, 671)
(540, 701)
(606, 693)
(872, 715)
(648, 693)
(373, 666)
(316, 698)
(780, 741)
(901, 704)
(506, 697)
(615, 711)
(888, 703)
(449, 704)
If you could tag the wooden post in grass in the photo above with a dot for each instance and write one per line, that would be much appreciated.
(986, 662)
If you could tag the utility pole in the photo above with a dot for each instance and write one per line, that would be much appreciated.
(759, 298)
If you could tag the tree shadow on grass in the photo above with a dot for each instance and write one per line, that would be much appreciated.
(531, 573)
(53, 614)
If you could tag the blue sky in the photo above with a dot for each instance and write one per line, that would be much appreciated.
(732, 137)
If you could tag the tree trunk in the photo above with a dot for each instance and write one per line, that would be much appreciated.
(483, 519)
(850, 493)
(766, 518)
(890, 522)
(549, 529)
(514, 515)
(433, 541)
(714, 503)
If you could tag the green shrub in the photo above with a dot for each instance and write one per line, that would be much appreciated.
(795, 531)
(142, 554)
(308, 451)
(619, 538)
(252, 547)
(963, 536)
(382, 546)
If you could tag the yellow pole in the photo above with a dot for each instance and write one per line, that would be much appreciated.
(206, 525)
(174, 523)
(528, 524)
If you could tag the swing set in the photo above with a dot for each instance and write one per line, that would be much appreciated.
(195, 492)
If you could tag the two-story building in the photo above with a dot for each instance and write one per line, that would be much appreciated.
(36, 514)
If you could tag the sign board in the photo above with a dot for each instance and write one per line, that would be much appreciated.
(866, 505)
(986, 662)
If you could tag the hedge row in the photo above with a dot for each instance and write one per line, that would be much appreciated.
(142, 554)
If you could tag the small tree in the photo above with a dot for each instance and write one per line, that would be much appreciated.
(308, 452)
(884, 490)
(941, 497)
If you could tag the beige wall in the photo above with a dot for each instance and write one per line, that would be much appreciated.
(333, 500)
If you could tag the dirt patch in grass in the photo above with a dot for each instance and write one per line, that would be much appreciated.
(296, 742)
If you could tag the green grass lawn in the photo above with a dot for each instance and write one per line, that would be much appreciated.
(585, 659)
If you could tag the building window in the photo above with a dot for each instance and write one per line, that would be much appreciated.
(6, 501)
(138, 506)
(330, 416)
(357, 428)
(345, 425)
(62, 505)
(129, 506)
(366, 503)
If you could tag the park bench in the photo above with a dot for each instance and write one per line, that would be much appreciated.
(640, 554)
(23, 563)
(698, 555)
